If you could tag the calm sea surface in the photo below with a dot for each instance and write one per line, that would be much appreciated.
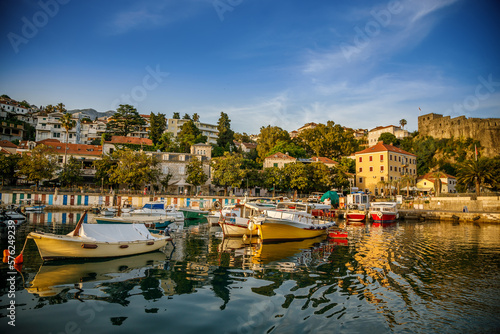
(406, 277)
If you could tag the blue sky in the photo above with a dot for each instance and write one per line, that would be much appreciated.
(283, 63)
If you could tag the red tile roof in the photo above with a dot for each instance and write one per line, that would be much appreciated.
(279, 155)
(6, 143)
(381, 147)
(130, 140)
(75, 149)
(324, 160)
(4, 151)
(430, 177)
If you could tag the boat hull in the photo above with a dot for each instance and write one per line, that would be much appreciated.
(194, 214)
(356, 216)
(54, 247)
(232, 229)
(275, 230)
(385, 217)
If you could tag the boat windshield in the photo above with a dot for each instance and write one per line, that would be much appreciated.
(153, 206)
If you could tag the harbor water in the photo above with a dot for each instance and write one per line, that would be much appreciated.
(403, 277)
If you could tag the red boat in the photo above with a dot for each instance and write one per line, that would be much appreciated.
(337, 234)
(357, 206)
(384, 212)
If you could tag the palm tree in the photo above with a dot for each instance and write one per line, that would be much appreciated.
(403, 122)
(67, 123)
(382, 185)
(395, 183)
(409, 181)
(438, 184)
(196, 117)
(475, 172)
(60, 107)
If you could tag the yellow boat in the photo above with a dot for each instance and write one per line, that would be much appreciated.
(288, 222)
(272, 252)
(52, 279)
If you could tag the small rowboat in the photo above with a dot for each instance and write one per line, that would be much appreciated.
(98, 241)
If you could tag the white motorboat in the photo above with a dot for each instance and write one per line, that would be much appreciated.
(236, 218)
(158, 208)
(384, 212)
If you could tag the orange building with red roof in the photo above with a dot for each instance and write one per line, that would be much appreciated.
(381, 164)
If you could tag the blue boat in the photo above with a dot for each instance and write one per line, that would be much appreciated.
(152, 223)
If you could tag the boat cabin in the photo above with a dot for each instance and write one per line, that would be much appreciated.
(360, 201)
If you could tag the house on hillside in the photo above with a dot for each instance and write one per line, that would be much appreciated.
(426, 183)
(278, 159)
(397, 131)
(118, 142)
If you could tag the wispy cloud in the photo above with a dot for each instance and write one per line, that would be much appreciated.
(377, 32)
(152, 14)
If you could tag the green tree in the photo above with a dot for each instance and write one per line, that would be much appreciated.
(167, 143)
(226, 135)
(71, 173)
(227, 171)
(195, 174)
(196, 117)
(268, 138)
(242, 137)
(341, 177)
(438, 184)
(476, 172)
(190, 135)
(289, 148)
(134, 169)
(274, 178)
(330, 140)
(389, 138)
(320, 177)
(68, 123)
(104, 167)
(407, 181)
(124, 121)
(186, 116)
(403, 122)
(8, 166)
(38, 164)
(157, 126)
(349, 163)
(176, 115)
(296, 174)
(165, 181)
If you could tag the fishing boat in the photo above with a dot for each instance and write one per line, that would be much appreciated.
(236, 218)
(190, 213)
(152, 223)
(31, 205)
(384, 212)
(290, 221)
(357, 206)
(12, 213)
(158, 208)
(98, 241)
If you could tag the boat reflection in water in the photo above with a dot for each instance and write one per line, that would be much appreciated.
(54, 278)
(290, 251)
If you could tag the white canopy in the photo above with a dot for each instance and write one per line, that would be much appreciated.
(114, 232)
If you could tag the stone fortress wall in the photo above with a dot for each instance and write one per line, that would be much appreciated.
(486, 130)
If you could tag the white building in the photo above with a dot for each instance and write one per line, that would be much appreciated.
(374, 134)
(209, 130)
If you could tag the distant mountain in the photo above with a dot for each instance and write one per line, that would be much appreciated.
(93, 113)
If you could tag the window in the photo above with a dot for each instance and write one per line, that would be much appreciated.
(390, 156)
(381, 168)
(275, 164)
(390, 168)
(381, 157)
(360, 159)
(371, 158)
(400, 169)
(360, 169)
(381, 178)
(399, 159)
(371, 169)
(360, 180)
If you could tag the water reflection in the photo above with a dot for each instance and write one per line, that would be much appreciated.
(403, 277)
